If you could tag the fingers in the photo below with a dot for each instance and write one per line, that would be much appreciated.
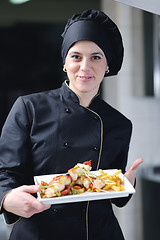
(136, 163)
(131, 173)
(31, 206)
(35, 207)
(39, 207)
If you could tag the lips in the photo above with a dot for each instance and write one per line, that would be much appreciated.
(85, 78)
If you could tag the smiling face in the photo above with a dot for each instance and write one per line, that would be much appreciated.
(86, 65)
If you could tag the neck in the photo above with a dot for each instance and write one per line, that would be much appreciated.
(86, 99)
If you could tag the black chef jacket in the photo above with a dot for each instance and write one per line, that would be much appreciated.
(49, 132)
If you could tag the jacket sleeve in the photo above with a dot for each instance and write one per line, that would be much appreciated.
(14, 154)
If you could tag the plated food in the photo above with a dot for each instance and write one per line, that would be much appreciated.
(80, 179)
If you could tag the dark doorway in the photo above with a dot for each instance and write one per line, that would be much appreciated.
(30, 61)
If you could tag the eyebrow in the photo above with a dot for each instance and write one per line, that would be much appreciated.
(73, 53)
(94, 53)
(98, 53)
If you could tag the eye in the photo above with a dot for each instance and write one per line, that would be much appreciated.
(96, 57)
(76, 57)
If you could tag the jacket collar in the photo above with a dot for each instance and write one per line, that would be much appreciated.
(70, 94)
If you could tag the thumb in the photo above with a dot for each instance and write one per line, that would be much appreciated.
(31, 188)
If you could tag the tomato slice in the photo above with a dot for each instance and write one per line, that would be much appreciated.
(77, 187)
(91, 186)
(66, 190)
(87, 163)
(44, 183)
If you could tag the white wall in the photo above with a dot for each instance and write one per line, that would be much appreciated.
(126, 93)
(130, 80)
(145, 115)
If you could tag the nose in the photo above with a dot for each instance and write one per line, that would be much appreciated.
(85, 65)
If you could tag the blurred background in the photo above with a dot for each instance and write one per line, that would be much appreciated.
(30, 61)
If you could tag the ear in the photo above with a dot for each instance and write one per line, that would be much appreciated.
(64, 68)
(107, 69)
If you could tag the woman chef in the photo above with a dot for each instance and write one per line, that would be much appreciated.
(49, 132)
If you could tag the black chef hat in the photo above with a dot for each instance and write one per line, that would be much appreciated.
(95, 26)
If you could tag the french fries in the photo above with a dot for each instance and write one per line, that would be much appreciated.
(112, 182)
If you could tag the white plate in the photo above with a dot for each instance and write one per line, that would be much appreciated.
(86, 196)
